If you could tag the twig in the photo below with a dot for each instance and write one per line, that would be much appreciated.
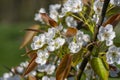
(86, 59)
(34, 30)
(104, 9)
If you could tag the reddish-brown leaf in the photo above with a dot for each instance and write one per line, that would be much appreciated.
(64, 67)
(71, 32)
(29, 35)
(31, 66)
(34, 30)
(49, 20)
(31, 53)
(31, 77)
(114, 20)
(86, 2)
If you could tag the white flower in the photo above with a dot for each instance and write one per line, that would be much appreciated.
(70, 21)
(24, 64)
(54, 15)
(71, 6)
(98, 4)
(50, 69)
(63, 12)
(86, 38)
(55, 44)
(38, 41)
(82, 38)
(42, 10)
(60, 27)
(47, 78)
(7, 75)
(50, 34)
(115, 2)
(41, 68)
(52, 46)
(109, 42)
(20, 69)
(113, 55)
(33, 73)
(95, 18)
(42, 57)
(74, 47)
(54, 11)
(55, 7)
(106, 33)
(38, 16)
(79, 36)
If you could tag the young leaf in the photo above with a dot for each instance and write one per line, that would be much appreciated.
(31, 53)
(78, 57)
(112, 11)
(114, 20)
(31, 77)
(31, 66)
(71, 32)
(29, 35)
(49, 20)
(64, 67)
(99, 68)
(86, 2)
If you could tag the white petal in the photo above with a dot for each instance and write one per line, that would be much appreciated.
(101, 29)
(112, 48)
(60, 41)
(50, 69)
(100, 37)
(20, 69)
(51, 48)
(117, 59)
(109, 42)
(41, 68)
(39, 60)
(52, 78)
(35, 39)
(112, 35)
(42, 10)
(109, 28)
(74, 47)
(86, 38)
(110, 61)
(45, 78)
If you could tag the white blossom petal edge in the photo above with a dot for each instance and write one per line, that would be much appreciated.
(113, 55)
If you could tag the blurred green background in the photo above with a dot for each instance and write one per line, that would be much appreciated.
(15, 16)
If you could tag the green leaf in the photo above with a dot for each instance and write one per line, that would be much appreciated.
(113, 10)
(99, 68)
(78, 57)
(103, 58)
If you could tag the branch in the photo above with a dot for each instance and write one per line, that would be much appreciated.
(83, 65)
(104, 9)
(86, 59)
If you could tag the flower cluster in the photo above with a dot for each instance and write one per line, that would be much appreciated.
(72, 34)
(106, 34)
